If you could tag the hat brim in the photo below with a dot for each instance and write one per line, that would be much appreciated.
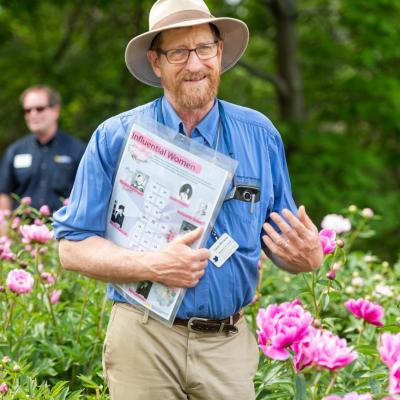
(234, 33)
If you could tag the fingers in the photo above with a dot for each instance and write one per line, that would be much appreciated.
(305, 219)
(203, 254)
(274, 236)
(295, 222)
(190, 237)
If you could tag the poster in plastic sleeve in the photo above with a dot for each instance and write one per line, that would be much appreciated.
(165, 185)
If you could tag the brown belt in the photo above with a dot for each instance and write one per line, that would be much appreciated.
(197, 324)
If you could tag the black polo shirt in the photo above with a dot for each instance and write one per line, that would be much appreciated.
(45, 172)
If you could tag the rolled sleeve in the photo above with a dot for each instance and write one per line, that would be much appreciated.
(86, 212)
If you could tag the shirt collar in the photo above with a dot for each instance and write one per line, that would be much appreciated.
(207, 128)
(49, 143)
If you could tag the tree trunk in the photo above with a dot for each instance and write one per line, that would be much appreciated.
(291, 100)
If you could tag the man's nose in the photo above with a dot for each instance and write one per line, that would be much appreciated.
(194, 63)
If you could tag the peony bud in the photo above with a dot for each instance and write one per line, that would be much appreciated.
(3, 388)
(353, 208)
(317, 323)
(23, 264)
(336, 266)
(26, 201)
(367, 213)
(45, 210)
(16, 368)
(340, 243)
(331, 274)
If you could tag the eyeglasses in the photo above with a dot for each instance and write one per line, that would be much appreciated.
(180, 56)
(38, 109)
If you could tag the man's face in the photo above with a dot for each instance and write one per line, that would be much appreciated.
(194, 84)
(40, 118)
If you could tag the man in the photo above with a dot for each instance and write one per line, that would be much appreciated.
(214, 355)
(43, 164)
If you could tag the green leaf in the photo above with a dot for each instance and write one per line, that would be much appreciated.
(301, 392)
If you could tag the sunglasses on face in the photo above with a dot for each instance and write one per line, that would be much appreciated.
(38, 109)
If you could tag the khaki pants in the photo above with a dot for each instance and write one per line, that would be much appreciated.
(149, 361)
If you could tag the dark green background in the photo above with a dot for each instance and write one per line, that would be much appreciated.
(337, 60)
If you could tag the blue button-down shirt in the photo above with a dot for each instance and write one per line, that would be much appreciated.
(257, 147)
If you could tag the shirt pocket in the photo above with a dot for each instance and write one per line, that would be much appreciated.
(242, 222)
(63, 178)
(22, 176)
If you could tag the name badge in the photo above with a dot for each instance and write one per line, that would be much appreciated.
(22, 160)
(222, 249)
(62, 159)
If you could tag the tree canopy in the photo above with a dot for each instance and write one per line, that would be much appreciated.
(324, 71)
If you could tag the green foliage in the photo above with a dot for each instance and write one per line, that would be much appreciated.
(345, 151)
(50, 351)
(358, 275)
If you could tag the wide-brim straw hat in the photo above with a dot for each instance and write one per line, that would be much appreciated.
(169, 14)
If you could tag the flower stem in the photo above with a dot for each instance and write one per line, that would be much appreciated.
(10, 314)
(314, 387)
(331, 383)
(313, 294)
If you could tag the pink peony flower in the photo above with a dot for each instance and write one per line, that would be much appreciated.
(15, 223)
(336, 223)
(3, 388)
(323, 349)
(304, 350)
(327, 238)
(389, 348)
(370, 312)
(20, 281)
(5, 249)
(26, 201)
(34, 233)
(394, 378)
(45, 210)
(350, 396)
(55, 296)
(48, 278)
(280, 327)
(38, 222)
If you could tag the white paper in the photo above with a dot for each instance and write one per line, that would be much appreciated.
(161, 191)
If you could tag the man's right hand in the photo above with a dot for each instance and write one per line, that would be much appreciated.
(177, 265)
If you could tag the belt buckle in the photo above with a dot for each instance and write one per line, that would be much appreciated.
(191, 321)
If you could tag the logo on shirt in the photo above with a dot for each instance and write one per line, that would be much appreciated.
(62, 159)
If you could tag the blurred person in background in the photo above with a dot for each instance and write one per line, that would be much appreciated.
(41, 165)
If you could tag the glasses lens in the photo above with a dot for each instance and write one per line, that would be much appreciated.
(37, 109)
(206, 51)
(177, 56)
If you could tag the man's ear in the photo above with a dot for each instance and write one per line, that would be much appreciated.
(154, 61)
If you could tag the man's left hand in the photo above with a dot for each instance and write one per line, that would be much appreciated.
(298, 248)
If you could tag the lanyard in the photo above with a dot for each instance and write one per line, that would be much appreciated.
(222, 126)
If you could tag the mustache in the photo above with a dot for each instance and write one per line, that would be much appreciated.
(190, 76)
